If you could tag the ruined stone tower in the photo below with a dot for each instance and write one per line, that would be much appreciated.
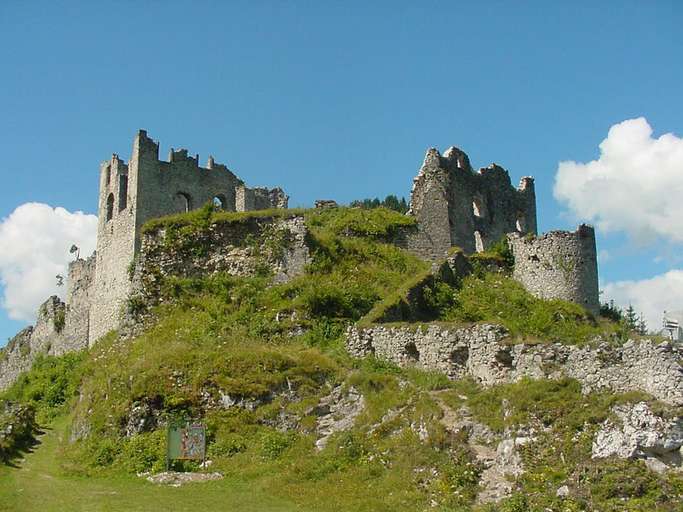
(148, 188)
(559, 265)
(456, 206)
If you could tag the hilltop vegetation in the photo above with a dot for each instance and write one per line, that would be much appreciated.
(254, 362)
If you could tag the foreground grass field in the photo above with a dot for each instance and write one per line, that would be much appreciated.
(37, 483)
(255, 361)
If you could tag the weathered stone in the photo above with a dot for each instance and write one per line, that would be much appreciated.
(337, 412)
(480, 352)
(455, 206)
(326, 203)
(176, 479)
(640, 434)
(562, 491)
(558, 265)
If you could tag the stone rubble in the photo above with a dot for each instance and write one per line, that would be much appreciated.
(639, 433)
(337, 412)
(176, 479)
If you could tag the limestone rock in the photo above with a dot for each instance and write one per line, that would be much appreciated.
(337, 412)
(640, 434)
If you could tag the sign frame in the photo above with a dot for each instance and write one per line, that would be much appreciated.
(185, 440)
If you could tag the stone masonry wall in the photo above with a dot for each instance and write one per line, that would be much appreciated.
(148, 188)
(241, 248)
(480, 352)
(559, 265)
(44, 338)
(455, 206)
(80, 281)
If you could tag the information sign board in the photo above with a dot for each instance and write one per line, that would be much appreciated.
(186, 442)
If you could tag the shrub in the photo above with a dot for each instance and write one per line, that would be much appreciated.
(49, 385)
(144, 452)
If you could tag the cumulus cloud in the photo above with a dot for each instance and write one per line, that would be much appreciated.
(650, 296)
(635, 186)
(34, 247)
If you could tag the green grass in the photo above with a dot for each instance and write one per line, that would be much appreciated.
(38, 484)
(240, 336)
(499, 299)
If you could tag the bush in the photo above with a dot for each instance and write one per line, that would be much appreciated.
(274, 443)
(49, 385)
(144, 452)
(17, 428)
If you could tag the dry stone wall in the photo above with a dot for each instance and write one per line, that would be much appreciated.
(481, 352)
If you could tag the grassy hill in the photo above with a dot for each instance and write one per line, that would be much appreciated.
(255, 362)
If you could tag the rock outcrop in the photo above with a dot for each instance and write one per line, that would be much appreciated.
(639, 433)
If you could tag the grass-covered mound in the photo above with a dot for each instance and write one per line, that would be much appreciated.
(499, 299)
(254, 360)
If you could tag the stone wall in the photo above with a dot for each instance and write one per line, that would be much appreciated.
(242, 247)
(247, 199)
(480, 352)
(148, 188)
(455, 206)
(46, 337)
(80, 280)
(559, 265)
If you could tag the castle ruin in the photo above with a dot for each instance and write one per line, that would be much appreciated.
(456, 206)
(452, 204)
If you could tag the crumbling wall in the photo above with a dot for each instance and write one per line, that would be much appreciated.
(43, 338)
(79, 296)
(559, 265)
(259, 198)
(480, 352)
(148, 188)
(243, 247)
(455, 206)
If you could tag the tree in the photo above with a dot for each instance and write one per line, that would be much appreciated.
(390, 202)
(641, 328)
(631, 318)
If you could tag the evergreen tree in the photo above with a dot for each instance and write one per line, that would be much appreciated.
(631, 318)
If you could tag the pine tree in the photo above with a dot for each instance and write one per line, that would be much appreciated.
(631, 318)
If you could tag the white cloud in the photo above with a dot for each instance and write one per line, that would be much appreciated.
(650, 296)
(635, 186)
(34, 248)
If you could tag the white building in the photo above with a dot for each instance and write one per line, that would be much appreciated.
(672, 325)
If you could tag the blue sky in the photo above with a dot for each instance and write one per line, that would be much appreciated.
(335, 99)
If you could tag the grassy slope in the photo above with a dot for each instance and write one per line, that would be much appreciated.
(220, 333)
(39, 484)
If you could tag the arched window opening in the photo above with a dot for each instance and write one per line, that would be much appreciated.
(219, 202)
(110, 207)
(478, 242)
(123, 192)
(521, 223)
(184, 202)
